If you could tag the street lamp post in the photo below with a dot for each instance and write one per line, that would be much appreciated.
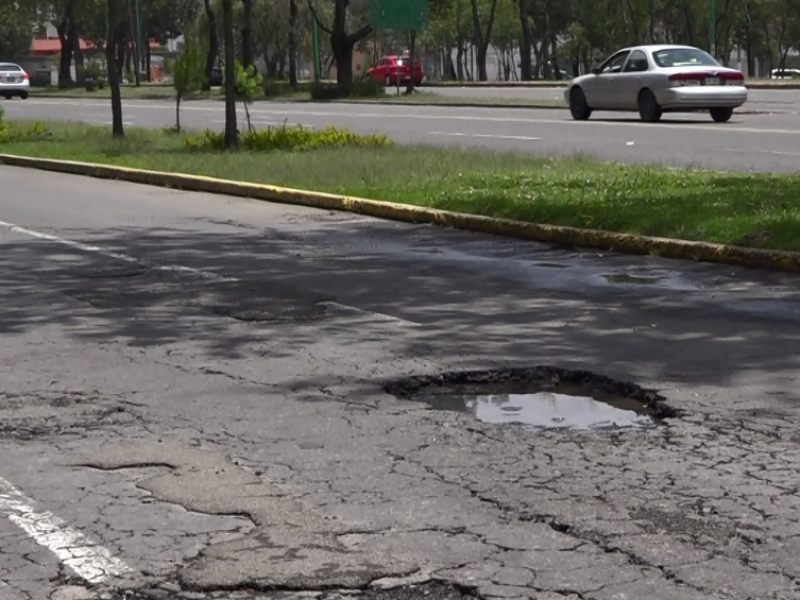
(315, 43)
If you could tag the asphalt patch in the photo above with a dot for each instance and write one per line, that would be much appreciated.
(243, 300)
(542, 397)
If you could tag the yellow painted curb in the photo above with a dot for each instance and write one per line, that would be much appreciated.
(551, 234)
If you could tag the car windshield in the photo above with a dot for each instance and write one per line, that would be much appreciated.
(9, 67)
(683, 57)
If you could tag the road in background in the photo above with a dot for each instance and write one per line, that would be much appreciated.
(765, 143)
(189, 448)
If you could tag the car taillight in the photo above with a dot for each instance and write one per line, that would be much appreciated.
(26, 77)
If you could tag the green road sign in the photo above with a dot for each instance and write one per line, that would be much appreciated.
(400, 15)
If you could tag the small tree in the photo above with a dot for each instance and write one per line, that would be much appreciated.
(248, 86)
(188, 70)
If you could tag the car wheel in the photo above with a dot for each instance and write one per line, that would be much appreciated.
(721, 114)
(388, 81)
(7, 96)
(24, 95)
(578, 106)
(649, 110)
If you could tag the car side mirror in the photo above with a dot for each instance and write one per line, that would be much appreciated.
(595, 70)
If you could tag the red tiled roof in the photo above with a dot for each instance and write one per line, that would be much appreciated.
(53, 46)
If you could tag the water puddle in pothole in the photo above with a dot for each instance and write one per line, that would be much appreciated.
(562, 406)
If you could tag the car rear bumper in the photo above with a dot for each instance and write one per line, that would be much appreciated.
(696, 97)
(15, 89)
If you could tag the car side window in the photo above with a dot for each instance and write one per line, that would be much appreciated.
(614, 64)
(637, 62)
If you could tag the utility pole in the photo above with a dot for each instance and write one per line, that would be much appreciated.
(712, 27)
(315, 44)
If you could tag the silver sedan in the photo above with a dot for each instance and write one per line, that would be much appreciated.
(657, 79)
(14, 81)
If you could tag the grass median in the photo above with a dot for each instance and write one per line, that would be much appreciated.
(283, 93)
(746, 209)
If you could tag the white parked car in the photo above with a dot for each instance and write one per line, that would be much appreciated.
(14, 81)
(784, 74)
(657, 79)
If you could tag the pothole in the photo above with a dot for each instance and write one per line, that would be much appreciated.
(538, 397)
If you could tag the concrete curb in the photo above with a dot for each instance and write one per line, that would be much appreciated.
(550, 234)
(753, 85)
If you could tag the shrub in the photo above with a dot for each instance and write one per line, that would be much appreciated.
(278, 88)
(12, 132)
(248, 85)
(187, 70)
(93, 75)
(363, 88)
(288, 139)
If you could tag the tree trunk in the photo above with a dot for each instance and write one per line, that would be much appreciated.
(412, 63)
(343, 55)
(74, 40)
(482, 39)
(213, 44)
(77, 53)
(293, 43)
(231, 129)
(248, 53)
(111, 64)
(343, 44)
(178, 114)
(135, 45)
(65, 62)
(526, 70)
(480, 57)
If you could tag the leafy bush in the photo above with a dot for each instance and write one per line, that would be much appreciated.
(278, 88)
(363, 88)
(288, 139)
(187, 70)
(12, 132)
(248, 84)
(93, 74)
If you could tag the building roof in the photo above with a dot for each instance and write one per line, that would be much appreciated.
(53, 46)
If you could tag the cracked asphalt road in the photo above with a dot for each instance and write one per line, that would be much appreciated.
(219, 457)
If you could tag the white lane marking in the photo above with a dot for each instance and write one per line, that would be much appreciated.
(182, 269)
(704, 126)
(772, 152)
(90, 561)
(485, 135)
(506, 137)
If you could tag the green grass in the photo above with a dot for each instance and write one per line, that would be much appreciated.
(747, 209)
(130, 92)
(285, 94)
